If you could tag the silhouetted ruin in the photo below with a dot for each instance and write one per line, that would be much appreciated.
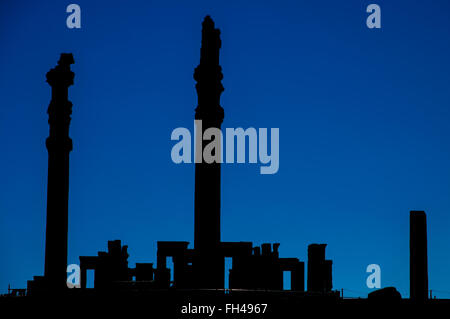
(204, 266)
(418, 256)
(319, 269)
(59, 145)
(208, 74)
(200, 268)
(257, 270)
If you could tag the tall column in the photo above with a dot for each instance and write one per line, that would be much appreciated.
(418, 271)
(208, 75)
(59, 145)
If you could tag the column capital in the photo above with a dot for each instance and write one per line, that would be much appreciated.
(61, 75)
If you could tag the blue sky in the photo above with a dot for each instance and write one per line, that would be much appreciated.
(363, 117)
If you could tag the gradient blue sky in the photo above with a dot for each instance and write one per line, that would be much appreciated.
(363, 116)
